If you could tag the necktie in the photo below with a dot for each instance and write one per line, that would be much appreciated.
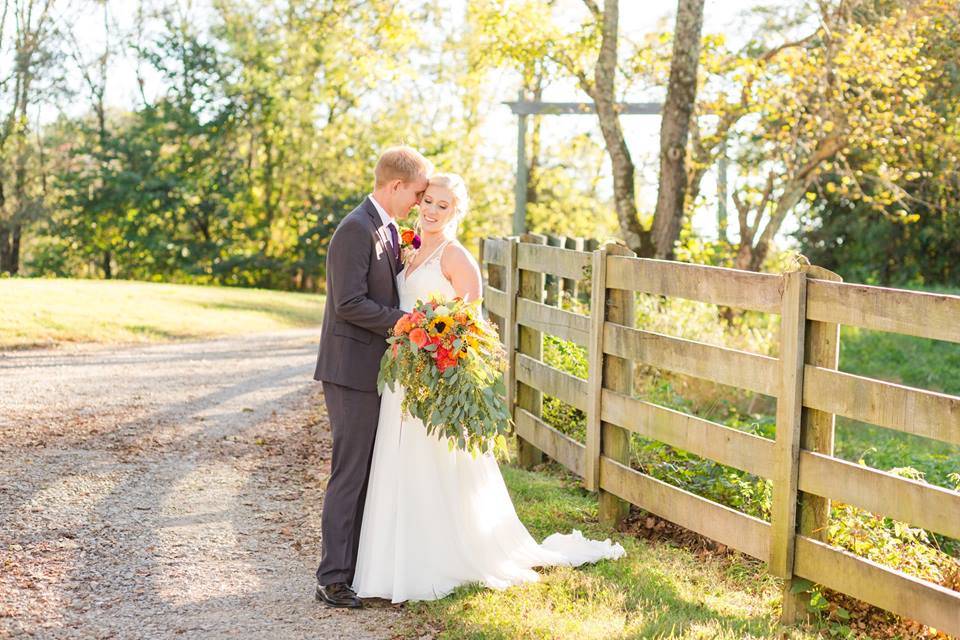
(395, 239)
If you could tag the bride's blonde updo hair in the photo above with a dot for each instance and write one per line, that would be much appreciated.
(458, 187)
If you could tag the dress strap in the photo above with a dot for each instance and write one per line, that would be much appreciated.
(436, 252)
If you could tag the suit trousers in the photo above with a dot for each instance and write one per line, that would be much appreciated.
(353, 418)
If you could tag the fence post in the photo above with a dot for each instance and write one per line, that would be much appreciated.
(530, 343)
(598, 298)
(495, 278)
(510, 287)
(552, 281)
(591, 245)
(569, 284)
(821, 349)
(616, 374)
(789, 402)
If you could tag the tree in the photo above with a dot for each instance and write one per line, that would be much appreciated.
(674, 127)
(915, 238)
(521, 35)
(33, 51)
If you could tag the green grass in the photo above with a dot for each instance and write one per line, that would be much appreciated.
(656, 591)
(36, 312)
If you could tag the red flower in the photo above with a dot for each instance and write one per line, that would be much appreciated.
(417, 317)
(448, 360)
(419, 337)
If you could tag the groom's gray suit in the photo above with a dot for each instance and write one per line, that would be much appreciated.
(362, 305)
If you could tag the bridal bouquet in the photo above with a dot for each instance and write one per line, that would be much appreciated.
(450, 362)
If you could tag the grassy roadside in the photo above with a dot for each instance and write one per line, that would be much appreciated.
(656, 591)
(45, 312)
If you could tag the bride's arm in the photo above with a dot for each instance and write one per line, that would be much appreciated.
(461, 269)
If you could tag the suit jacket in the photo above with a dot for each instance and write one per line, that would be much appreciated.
(362, 301)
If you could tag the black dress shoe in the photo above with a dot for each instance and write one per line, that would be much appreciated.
(338, 594)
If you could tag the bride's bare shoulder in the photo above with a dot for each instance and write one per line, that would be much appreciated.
(456, 258)
(456, 255)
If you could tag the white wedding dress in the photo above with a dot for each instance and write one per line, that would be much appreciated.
(435, 519)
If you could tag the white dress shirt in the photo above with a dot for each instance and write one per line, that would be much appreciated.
(387, 221)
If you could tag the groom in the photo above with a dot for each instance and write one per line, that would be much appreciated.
(362, 305)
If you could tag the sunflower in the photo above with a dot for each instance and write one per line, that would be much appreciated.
(440, 325)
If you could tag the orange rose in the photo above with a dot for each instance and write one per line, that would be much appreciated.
(419, 337)
(402, 326)
(407, 236)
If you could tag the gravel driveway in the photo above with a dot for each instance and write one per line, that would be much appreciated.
(167, 491)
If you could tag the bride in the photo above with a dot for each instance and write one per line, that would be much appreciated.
(433, 518)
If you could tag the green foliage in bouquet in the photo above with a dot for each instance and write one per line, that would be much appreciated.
(450, 364)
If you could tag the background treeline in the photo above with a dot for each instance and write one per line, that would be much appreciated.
(844, 115)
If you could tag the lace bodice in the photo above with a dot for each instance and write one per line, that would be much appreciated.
(427, 279)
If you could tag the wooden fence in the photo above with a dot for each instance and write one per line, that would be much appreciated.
(524, 277)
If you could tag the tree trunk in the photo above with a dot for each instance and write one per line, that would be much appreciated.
(604, 96)
(675, 127)
(4, 249)
(10, 233)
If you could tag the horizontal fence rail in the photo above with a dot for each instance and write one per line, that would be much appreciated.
(528, 280)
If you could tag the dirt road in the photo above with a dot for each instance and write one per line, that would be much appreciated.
(167, 491)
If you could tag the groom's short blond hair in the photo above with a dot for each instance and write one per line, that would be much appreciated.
(401, 163)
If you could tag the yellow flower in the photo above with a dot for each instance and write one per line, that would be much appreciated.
(440, 325)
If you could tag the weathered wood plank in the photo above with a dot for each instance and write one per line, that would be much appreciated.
(557, 261)
(511, 284)
(530, 343)
(618, 376)
(553, 382)
(495, 300)
(720, 364)
(733, 528)
(786, 450)
(495, 251)
(558, 446)
(753, 454)
(882, 586)
(496, 278)
(920, 504)
(821, 348)
(917, 411)
(716, 285)
(558, 322)
(598, 299)
(914, 313)
(570, 284)
(552, 282)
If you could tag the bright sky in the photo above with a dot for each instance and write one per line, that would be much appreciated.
(642, 132)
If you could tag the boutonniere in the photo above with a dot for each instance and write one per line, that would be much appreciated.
(409, 243)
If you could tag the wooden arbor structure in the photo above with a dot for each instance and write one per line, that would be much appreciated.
(523, 108)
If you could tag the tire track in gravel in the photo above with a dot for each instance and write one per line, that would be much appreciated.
(167, 491)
